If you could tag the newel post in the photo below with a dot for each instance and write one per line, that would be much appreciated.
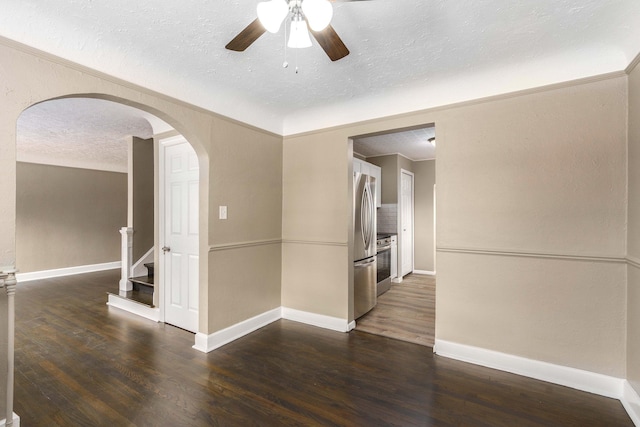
(127, 258)
(8, 281)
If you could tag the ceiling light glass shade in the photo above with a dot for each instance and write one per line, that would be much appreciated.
(318, 13)
(272, 13)
(299, 37)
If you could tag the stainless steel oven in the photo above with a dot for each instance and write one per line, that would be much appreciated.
(383, 271)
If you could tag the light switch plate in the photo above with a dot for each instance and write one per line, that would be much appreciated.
(223, 212)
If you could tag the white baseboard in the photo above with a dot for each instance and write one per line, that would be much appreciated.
(151, 313)
(424, 272)
(68, 271)
(570, 377)
(16, 421)
(138, 269)
(631, 402)
(206, 343)
(320, 320)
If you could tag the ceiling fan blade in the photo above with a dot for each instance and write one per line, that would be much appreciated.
(246, 36)
(331, 42)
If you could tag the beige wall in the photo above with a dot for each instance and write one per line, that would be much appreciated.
(142, 193)
(68, 217)
(389, 166)
(633, 237)
(527, 184)
(424, 233)
(245, 260)
(316, 220)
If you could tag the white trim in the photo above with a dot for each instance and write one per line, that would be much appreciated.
(206, 343)
(67, 271)
(319, 320)
(515, 253)
(151, 313)
(633, 64)
(631, 402)
(173, 140)
(240, 245)
(424, 272)
(578, 379)
(126, 252)
(16, 421)
(138, 269)
(159, 279)
(313, 242)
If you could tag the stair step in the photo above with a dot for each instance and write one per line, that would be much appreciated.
(150, 267)
(142, 284)
(145, 300)
(143, 280)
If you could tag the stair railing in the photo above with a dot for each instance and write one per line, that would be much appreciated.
(8, 282)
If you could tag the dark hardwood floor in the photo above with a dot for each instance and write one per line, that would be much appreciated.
(81, 363)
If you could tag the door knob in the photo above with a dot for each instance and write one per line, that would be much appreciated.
(166, 249)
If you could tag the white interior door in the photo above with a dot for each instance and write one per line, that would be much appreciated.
(180, 253)
(406, 226)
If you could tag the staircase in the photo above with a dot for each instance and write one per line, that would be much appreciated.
(143, 287)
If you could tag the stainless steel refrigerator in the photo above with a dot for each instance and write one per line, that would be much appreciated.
(364, 247)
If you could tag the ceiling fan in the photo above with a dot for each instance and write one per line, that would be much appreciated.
(305, 15)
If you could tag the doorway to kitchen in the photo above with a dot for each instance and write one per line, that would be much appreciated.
(405, 217)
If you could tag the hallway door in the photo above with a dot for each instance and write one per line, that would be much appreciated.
(406, 225)
(179, 256)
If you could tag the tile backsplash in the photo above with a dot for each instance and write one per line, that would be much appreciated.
(388, 218)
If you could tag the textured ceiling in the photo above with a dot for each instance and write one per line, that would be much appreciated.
(405, 54)
(413, 144)
(81, 132)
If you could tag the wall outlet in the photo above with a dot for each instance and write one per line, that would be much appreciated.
(223, 212)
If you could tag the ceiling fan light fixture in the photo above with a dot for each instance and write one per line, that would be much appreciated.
(318, 13)
(299, 37)
(272, 14)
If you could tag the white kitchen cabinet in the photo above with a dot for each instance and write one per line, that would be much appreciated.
(371, 170)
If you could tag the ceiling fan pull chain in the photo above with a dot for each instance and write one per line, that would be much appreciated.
(285, 64)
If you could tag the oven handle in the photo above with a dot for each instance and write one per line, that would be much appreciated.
(383, 248)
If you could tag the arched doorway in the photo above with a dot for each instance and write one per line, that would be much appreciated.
(100, 137)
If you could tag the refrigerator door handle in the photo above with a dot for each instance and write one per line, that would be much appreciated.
(365, 263)
(366, 217)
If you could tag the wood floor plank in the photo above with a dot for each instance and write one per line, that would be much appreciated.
(406, 312)
(82, 363)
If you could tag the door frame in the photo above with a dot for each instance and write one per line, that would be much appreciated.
(400, 212)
